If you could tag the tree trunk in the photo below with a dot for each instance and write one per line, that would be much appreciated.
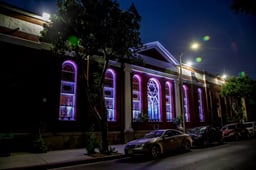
(244, 110)
(104, 124)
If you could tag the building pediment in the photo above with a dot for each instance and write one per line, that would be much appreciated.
(155, 54)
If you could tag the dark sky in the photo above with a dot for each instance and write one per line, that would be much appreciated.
(177, 23)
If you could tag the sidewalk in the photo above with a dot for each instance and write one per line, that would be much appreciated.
(53, 159)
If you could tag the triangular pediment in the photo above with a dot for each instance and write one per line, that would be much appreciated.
(154, 53)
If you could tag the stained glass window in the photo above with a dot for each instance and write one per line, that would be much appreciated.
(153, 100)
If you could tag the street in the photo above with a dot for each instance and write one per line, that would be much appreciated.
(239, 155)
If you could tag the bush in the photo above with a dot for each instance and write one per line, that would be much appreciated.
(39, 144)
(91, 141)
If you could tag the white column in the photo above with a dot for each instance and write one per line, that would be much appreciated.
(127, 98)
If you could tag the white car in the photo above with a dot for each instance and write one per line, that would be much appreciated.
(157, 142)
(251, 127)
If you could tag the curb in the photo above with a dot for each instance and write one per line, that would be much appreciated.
(70, 163)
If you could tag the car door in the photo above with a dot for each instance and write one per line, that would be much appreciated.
(169, 141)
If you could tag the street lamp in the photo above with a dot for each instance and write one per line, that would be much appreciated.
(194, 46)
(181, 94)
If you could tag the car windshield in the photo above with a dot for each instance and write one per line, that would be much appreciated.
(248, 125)
(229, 127)
(198, 130)
(154, 134)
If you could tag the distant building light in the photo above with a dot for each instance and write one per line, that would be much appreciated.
(46, 16)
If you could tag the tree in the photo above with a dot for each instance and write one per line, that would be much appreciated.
(244, 6)
(101, 30)
(239, 89)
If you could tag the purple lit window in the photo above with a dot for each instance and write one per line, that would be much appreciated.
(186, 103)
(67, 106)
(136, 97)
(109, 94)
(153, 101)
(169, 103)
(200, 105)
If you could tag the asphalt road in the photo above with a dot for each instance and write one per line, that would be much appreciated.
(239, 155)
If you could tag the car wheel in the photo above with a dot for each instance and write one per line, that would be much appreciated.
(204, 143)
(155, 151)
(237, 137)
(221, 141)
(186, 146)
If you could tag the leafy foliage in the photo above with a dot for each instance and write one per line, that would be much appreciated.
(238, 87)
(142, 117)
(101, 30)
(91, 142)
(39, 144)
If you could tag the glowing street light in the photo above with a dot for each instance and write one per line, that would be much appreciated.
(194, 46)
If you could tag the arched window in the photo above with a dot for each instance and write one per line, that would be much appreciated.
(136, 97)
(154, 113)
(110, 94)
(169, 102)
(186, 103)
(200, 105)
(67, 108)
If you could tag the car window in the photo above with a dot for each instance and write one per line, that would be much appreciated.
(203, 129)
(232, 127)
(195, 130)
(248, 125)
(153, 134)
(169, 133)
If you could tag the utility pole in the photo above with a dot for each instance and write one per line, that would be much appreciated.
(181, 95)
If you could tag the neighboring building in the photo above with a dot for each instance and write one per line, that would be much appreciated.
(40, 90)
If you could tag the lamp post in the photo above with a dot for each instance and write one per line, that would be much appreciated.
(181, 95)
(193, 46)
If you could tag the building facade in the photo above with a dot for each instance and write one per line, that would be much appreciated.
(42, 91)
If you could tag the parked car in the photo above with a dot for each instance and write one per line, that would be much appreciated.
(206, 135)
(234, 131)
(157, 142)
(251, 127)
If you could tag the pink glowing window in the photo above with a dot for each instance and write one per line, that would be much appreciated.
(169, 102)
(200, 105)
(136, 98)
(67, 107)
(186, 103)
(110, 94)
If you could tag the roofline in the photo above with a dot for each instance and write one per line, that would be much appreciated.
(22, 11)
(164, 50)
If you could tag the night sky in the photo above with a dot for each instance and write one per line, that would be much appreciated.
(228, 39)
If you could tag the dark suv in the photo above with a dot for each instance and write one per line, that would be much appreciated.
(206, 135)
(234, 131)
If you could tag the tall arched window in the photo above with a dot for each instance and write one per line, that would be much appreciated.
(200, 105)
(186, 103)
(136, 97)
(67, 106)
(169, 103)
(154, 112)
(110, 94)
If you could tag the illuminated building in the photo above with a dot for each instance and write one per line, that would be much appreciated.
(41, 90)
